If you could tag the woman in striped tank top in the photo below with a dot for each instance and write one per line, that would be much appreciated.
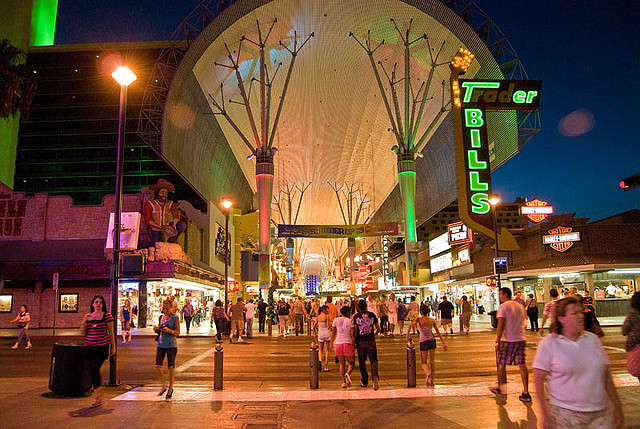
(98, 326)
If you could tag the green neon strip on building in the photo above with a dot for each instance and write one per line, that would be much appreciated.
(43, 22)
(407, 181)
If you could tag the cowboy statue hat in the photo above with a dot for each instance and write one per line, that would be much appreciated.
(163, 184)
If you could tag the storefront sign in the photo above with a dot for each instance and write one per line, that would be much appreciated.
(338, 231)
(561, 238)
(599, 294)
(536, 210)
(441, 263)
(464, 256)
(459, 233)
(439, 244)
(473, 99)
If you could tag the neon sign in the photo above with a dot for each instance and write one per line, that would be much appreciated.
(561, 238)
(476, 97)
(536, 210)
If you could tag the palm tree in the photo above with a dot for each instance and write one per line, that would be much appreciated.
(16, 84)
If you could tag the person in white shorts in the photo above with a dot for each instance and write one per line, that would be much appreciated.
(392, 313)
(321, 323)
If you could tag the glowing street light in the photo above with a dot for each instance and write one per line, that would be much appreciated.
(124, 77)
(226, 203)
(494, 200)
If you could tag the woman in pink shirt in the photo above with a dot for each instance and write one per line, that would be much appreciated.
(343, 337)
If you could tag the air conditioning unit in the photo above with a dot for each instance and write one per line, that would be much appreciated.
(132, 264)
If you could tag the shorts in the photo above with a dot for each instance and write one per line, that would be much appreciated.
(344, 349)
(393, 319)
(171, 353)
(237, 325)
(428, 345)
(324, 337)
(564, 418)
(126, 325)
(412, 315)
(511, 353)
(446, 322)
(283, 318)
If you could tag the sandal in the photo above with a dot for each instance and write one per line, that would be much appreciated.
(96, 404)
(164, 389)
(347, 380)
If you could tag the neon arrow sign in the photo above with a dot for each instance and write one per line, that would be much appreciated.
(472, 98)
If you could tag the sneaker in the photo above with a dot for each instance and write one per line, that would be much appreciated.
(240, 340)
(525, 397)
(496, 391)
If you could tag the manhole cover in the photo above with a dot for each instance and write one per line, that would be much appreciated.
(279, 353)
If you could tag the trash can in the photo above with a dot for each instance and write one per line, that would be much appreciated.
(494, 318)
(69, 374)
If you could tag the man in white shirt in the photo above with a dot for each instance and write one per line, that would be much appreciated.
(249, 318)
(510, 351)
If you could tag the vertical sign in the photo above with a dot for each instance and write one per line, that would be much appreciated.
(56, 281)
(472, 99)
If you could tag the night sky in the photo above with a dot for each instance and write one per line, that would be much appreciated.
(585, 52)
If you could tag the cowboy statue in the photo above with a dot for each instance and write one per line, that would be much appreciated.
(161, 214)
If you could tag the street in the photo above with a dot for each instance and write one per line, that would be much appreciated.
(266, 384)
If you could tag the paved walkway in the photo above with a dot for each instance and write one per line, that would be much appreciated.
(478, 324)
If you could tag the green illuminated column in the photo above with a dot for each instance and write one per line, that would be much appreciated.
(407, 180)
(43, 22)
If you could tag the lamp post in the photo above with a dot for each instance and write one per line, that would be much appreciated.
(226, 203)
(494, 200)
(124, 77)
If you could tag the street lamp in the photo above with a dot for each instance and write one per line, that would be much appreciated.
(124, 77)
(494, 200)
(226, 203)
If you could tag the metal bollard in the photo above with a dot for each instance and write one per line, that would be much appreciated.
(314, 366)
(218, 356)
(411, 364)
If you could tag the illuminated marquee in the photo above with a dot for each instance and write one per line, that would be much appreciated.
(459, 233)
(561, 238)
(536, 210)
(474, 170)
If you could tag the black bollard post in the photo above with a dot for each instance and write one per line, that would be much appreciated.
(314, 366)
(411, 364)
(218, 356)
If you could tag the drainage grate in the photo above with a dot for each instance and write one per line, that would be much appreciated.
(256, 416)
(261, 426)
(263, 407)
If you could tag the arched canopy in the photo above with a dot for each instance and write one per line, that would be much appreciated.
(334, 126)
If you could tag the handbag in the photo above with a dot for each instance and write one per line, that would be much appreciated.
(633, 361)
